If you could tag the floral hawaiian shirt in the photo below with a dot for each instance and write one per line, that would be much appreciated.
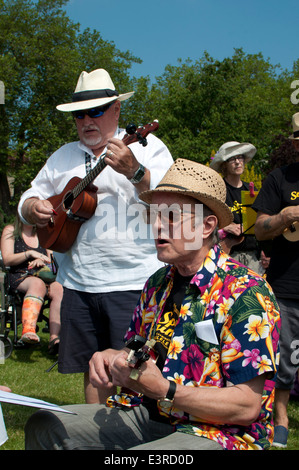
(227, 333)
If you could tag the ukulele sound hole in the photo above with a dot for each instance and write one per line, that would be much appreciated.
(68, 201)
(293, 228)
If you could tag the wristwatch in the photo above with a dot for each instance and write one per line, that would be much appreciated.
(167, 402)
(139, 174)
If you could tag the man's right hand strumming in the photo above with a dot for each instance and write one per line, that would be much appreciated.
(37, 212)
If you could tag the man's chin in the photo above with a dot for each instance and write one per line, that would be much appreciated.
(163, 256)
(93, 144)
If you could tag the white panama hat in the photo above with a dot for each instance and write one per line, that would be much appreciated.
(295, 122)
(232, 149)
(93, 89)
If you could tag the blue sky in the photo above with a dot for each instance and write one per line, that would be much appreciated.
(161, 31)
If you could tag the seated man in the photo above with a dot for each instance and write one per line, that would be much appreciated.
(213, 326)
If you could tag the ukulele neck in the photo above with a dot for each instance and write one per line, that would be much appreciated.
(133, 135)
(89, 177)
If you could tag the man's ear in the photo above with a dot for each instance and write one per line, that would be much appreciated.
(116, 110)
(209, 225)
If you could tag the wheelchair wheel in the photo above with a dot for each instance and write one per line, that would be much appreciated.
(7, 347)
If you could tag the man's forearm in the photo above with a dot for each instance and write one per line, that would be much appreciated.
(268, 227)
(239, 404)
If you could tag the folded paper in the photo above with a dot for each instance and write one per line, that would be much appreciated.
(8, 397)
(205, 331)
(3, 433)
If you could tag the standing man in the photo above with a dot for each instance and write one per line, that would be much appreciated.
(277, 206)
(230, 161)
(212, 326)
(105, 269)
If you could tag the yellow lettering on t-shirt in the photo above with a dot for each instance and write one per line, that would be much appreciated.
(294, 195)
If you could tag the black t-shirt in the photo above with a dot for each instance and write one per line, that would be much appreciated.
(233, 199)
(280, 190)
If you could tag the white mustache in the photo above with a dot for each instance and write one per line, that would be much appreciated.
(90, 128)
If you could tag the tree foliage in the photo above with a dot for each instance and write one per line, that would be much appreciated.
(42, 54)
(206, 103)
(200, 104)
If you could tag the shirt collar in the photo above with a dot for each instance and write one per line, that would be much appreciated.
(214, 260)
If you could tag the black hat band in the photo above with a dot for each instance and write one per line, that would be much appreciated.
(93, 94)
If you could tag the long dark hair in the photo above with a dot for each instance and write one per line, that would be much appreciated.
(18, 228)
(284, 154)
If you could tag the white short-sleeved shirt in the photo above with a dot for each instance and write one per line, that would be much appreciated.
(114, 249)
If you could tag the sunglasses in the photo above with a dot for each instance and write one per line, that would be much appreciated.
(92, 113)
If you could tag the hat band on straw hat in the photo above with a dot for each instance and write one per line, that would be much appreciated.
(296, 134)
(93, 94)
(168, 185)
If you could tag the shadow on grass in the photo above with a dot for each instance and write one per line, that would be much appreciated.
(30, 353)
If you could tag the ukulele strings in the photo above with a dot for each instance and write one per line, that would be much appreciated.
(86, 180)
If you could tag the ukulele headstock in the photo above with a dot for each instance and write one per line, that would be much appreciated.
(139, 134)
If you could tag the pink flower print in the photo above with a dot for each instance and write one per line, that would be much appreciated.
(194, 360)
(210, 308)
(198, 279)
(166, 368)
(252, 357)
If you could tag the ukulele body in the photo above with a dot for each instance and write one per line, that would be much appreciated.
(61, 231)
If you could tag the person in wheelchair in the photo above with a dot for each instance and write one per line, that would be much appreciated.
(24, 256)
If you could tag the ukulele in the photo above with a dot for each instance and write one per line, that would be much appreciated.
(78, 201)
(291, 233)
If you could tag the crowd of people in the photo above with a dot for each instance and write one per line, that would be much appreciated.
(160, 302)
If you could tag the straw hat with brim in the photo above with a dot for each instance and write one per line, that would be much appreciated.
(198, 181)
(232, 149)
(93, 89)
(295, 123)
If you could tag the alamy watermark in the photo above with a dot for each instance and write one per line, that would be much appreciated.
(137, 222)
(2, 93)
(295, 353)
(295, 94)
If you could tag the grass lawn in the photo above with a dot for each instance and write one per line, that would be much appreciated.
(25, 373)
(293, 412)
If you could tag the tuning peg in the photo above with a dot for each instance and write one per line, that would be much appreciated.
(131, 129)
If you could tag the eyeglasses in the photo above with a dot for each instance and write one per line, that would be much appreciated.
(167, 215)
(237, 157)
(92, 113)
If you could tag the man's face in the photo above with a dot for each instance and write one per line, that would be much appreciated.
(95, 132)
(177, 232)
